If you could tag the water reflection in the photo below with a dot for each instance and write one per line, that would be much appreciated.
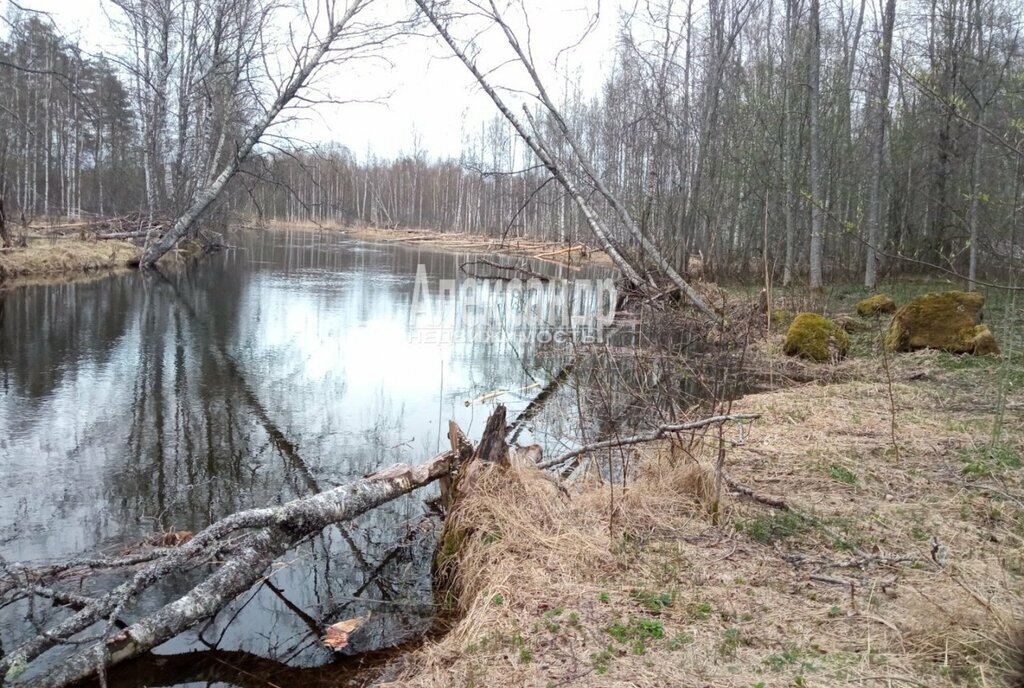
(147, 403)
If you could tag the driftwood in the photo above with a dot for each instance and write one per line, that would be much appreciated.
(246, 543)
(133, 234)
(515, 270)
(576, 247)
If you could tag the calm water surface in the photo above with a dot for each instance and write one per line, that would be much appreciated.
(139, 404)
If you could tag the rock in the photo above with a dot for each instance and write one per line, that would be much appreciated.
(876, 305)
(948, 321)
(817, 338)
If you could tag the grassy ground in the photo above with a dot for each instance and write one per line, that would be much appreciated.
(46, 259)
(897, 560)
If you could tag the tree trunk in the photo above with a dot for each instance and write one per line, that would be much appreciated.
(979, 145)
(817, 210)
(789, 143)
(881, 111)
(278, 530)
(5, 231)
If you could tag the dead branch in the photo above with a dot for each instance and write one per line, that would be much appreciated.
(514, 269)
(747, 491)
(657, 434)
(269, 533)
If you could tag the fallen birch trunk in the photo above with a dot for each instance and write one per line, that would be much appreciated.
(276, 531)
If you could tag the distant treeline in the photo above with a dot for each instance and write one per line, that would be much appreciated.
(736, 129)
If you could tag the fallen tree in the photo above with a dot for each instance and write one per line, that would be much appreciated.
(247, 543)
(336, 32)
(244, 545)
(559, 171)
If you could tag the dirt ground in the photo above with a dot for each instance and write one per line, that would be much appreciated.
(872, 537)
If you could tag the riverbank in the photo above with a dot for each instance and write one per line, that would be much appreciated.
(52, 254)
(62, 259)
(872, 537)
(574, 255)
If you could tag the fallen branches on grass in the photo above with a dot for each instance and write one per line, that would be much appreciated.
(657, 434)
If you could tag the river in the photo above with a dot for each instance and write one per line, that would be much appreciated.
(143, 404)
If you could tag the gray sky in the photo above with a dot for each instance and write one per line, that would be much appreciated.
(432, 96)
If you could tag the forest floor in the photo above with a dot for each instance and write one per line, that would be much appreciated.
(880, 543)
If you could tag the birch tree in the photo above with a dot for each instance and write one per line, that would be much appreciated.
(580, 157)
(880, 110)
(334, 33)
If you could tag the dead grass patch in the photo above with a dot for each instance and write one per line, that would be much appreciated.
(886, 571)
(43, 258)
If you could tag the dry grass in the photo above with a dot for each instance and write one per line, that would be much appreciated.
(47, 258)
(891, 568)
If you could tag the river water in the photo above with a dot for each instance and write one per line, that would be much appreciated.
(141, 404)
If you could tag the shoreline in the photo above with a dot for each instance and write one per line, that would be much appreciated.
(50, 257)
(818, 567)
(573, 256)
(59, 260)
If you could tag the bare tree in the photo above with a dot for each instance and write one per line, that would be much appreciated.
(814, 168)
(334, 34)
(789, 139)
(880, 109)
(543, 152)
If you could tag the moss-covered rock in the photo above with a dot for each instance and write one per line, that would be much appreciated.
(817, 338)
(876, 305)
(949, 321)
(984, 341)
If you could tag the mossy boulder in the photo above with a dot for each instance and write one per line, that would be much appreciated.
(817, 338)
(948, 321)
(876, 305)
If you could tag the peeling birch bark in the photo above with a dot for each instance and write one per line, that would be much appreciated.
(276, 531)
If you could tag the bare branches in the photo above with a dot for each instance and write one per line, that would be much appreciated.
(322, 46)
(657, 434)
(580, 157)
(270, 532)
(537, 145)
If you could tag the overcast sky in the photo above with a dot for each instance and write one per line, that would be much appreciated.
(431, 97)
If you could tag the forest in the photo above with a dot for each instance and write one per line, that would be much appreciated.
(699, 361)
(828, 141)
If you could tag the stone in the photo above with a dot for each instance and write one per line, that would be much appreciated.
(947, 321)
(817, 338)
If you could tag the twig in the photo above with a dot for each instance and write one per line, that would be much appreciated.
(747, 491)
(657, 434)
